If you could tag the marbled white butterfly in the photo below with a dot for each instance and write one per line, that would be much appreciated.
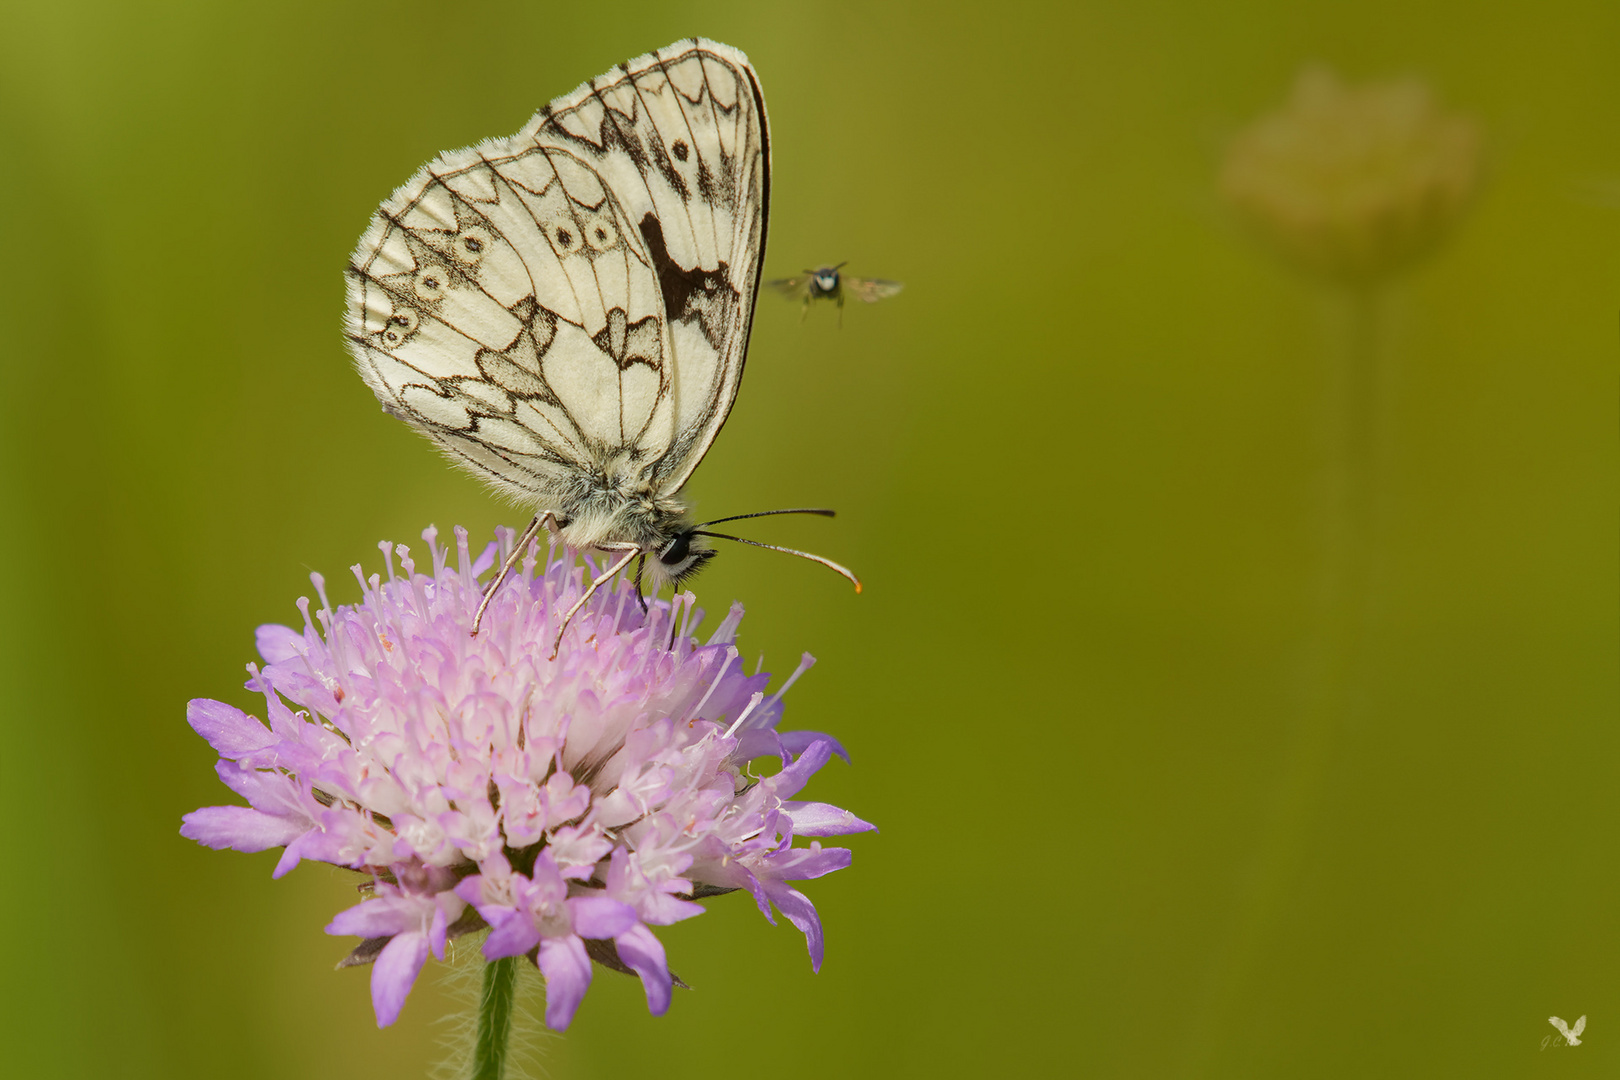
(566, 312)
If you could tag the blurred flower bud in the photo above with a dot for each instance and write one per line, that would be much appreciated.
(1353, 183)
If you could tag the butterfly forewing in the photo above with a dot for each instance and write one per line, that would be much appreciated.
(575, 300)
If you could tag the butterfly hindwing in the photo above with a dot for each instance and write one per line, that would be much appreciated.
(577, 297)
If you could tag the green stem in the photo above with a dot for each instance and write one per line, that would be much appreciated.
(1347, 516)
(495, 1019)
(1352, 452)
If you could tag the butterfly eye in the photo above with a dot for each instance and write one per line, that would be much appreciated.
(676, 551)
(471, 244)
(401, 325)
(430, 283)
(601, 234)
(565, 237)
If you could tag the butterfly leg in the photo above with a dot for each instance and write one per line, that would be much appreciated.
(641, 564)
(630, 552)
(511, 560)
(840, 309)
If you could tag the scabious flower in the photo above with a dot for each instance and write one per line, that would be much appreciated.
(1353, 183)
(568, 805)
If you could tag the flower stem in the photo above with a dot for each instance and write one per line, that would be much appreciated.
(1353, 451)
(495, 1019)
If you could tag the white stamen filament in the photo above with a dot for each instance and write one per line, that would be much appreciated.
(806, 662)
(753, 703)
(697, 711)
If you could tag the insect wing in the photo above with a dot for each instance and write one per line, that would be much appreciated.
(871, 290)
(580, 293)
(794, 288)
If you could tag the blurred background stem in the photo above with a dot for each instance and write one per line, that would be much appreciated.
(1353, 450)
(1346, 513)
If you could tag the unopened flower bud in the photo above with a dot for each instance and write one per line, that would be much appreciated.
(1353, 183)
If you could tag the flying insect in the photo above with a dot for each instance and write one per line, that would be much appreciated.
(828, 283)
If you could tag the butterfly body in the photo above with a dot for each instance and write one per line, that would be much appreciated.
(566, 312)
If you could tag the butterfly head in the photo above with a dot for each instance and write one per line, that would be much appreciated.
(685, 552)
(682, 556)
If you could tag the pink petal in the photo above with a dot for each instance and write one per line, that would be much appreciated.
(513, 932)
(795, 776)
(394, 973)
(277, 643)
(802, 864)
(240, 828)
(662, 909)
(600, 916)
(795, 742)
(567, 970)
(801, 913)
(273, 792)
(383, 916)
(644, 953)
(228, 730)
(823, 819)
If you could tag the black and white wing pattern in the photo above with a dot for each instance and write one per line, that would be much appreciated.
(570, 306)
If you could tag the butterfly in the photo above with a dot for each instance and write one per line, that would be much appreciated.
(826, 283)
(566, 312)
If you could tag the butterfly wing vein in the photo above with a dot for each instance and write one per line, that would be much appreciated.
(569, 308)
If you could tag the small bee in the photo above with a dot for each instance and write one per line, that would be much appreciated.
(826, 283)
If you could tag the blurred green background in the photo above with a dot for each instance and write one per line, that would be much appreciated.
(1076, 463)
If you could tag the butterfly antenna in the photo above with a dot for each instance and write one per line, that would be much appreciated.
(828, 563)
(820, 512)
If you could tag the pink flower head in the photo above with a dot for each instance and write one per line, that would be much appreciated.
(567, 805)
